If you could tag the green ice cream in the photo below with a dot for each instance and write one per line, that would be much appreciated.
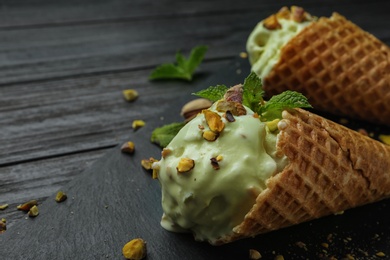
(264, 44)
(209, 186)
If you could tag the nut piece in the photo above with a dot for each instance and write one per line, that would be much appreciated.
(298, 14)
(28, 205)
(138, 124)
(185, 165)
(61, 196)
(33, 212)
(210, 135)
(214, 121)
(385, 139)
(147, 163)
(135, 249)
(3, 226)
(254, 254)
(273, 125)
(128, 147)
(271, 23)
(165, 152)
(3, 207)
(192, 108)
(235, 108)
(130, 94)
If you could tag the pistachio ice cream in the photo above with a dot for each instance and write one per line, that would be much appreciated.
(213, 170)
(265, 42)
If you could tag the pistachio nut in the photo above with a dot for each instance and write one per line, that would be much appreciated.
(192, 108)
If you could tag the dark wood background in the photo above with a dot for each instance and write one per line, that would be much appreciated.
(64, 64)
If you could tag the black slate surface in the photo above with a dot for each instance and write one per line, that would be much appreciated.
(116, 200)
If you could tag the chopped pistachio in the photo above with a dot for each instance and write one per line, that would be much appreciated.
(185, 165)
(28, 205)
(138, 124)
(130, 94)
(273, 125)
(128, 147)
(254, 254)
(243, 55)
(214, 121)
(380, 254)
(165, 152)
(135, 249)
(3, 227)
(214, 163)
(61, 196)
(33, 212)
(272, 23)
(210, 135)
(147, 163)
(4, 206)
(385, 139)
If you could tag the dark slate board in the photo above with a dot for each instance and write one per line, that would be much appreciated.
(116, 200)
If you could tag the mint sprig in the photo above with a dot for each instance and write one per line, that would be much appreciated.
(183, 69)
(212, 93)
(286, 100)
(163, 135)
(253, 92)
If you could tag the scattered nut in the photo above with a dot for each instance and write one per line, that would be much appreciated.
(138, 124)
(61, 196)
(3, 226)
(385, 139)
(192, 108)
(165, 152)
(130, 94)
(128, 147)
(214, 163)
(185, 165)
(135, 249)
(210, 135)
(229, 116)
(271, 23)
(284, 13)
(380, 254)
(147, 163)
(33, 212)
(279, 257)
(243, 55)
(3, 207)
(298, 14)
(254, 254)
(28, 205)
(234, 108)
(213, 121)
(273, 125)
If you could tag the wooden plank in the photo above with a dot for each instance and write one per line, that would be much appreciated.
(40, 120)
(19, 14)
(115, 201)
(39, 179)
(67, 51)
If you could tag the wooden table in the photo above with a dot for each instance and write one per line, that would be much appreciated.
(64, 64)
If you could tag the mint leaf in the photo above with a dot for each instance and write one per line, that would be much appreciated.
(183, 69)
(253, 92)
(286, 100)
(163, 135)
(212, 93)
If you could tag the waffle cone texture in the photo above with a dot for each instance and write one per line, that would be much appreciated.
(331, 169)
(340, 68)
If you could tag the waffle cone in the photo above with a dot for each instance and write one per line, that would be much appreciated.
(331, 168)
(339, 67)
